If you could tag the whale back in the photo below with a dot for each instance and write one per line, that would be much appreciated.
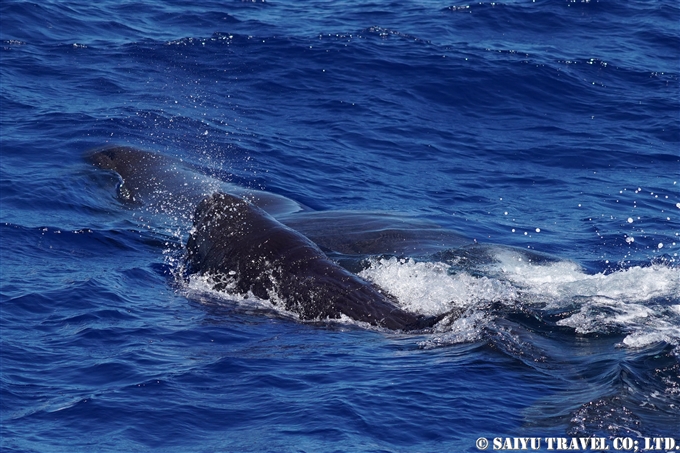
(245, 250)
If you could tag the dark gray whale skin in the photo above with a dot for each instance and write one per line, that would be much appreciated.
(168, 185)
(245, 249)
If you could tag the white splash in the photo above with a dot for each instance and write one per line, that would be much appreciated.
(465, 329)
(199, 285)
(633, 300)
(566, 279)
(429, 289)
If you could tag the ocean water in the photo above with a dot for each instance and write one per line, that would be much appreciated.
(545, 133)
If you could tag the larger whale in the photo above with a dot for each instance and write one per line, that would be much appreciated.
(245, 249)
(238, 244)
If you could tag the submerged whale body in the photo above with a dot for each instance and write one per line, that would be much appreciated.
(245, 249)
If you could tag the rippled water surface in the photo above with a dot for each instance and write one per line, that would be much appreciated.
(543, 135)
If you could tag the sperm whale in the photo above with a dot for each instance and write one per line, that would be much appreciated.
(243, 249)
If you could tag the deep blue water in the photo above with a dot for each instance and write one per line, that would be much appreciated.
(546, 126)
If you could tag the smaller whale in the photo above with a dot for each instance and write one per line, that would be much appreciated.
(243, 249)
(169, 185)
